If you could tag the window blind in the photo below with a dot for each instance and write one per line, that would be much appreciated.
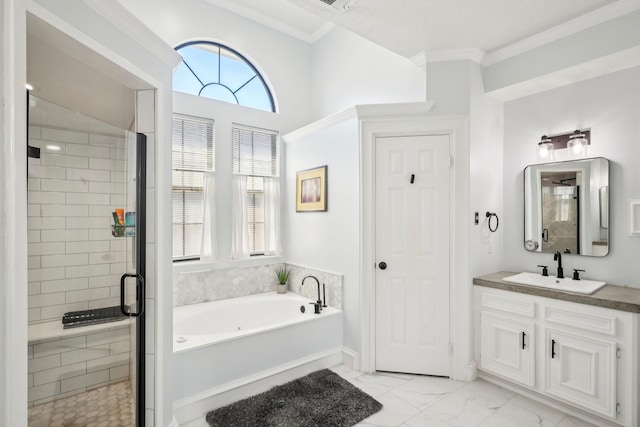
(255, 153)
(192, 156)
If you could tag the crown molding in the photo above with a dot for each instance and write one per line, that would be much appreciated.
(419, 60)
(598, 16)
(471, 54)
(361, 112)
(318, 125)
(321, 32)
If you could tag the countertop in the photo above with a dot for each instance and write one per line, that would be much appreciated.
(610, 296)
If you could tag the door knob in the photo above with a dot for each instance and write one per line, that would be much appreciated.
(382, 265)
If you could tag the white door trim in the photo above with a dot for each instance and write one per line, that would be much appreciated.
(461, 365)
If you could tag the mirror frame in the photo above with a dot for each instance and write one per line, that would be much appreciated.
(602, 207)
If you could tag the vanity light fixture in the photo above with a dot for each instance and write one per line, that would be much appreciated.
(545, 150)
(577, 145)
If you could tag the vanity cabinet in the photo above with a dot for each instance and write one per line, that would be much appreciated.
(582, 356)
(581, 370)
(510, 347)
(507, 330)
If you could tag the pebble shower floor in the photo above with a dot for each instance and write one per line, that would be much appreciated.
(110, 406)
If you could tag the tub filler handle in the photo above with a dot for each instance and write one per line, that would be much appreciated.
(316, 307)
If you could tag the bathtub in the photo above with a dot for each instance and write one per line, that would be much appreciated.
(223, 345)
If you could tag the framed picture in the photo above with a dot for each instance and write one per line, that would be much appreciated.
(311, 190)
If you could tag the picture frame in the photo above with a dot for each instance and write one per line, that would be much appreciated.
(311, 190)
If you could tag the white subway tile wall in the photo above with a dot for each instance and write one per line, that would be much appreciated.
(66, 366)
(74, 261)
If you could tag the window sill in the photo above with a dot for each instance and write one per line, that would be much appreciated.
(191, 266)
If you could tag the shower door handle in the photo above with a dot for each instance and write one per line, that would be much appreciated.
(139, 295)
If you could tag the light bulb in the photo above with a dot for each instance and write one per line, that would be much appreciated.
(545, 150)
(577, 145)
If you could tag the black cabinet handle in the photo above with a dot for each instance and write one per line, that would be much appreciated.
(382, 265)
(523, 344)
(553, 348)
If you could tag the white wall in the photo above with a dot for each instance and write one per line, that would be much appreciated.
(485, 177)
(348, 70)
(283, 60)
(610, 107)
(328, 240)
(456, 87)
(448, 86)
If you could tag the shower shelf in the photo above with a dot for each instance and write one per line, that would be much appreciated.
(53, 329)
(123, 230)
(76, 319)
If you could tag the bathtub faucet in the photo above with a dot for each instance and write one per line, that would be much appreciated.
(318, 304)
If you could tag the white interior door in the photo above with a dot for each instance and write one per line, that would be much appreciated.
(412, 240)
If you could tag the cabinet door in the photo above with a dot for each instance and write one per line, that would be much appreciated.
(507, 347)
(581, 370)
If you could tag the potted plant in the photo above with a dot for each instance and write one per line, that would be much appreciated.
(282, 273)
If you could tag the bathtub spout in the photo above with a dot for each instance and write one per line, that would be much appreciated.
(318, 303)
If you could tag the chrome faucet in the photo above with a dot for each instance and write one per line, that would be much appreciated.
(318, 304)
(558, 257)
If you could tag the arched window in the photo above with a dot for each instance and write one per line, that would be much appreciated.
(215, 71)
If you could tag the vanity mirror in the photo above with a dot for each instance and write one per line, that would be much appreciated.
(566, 207)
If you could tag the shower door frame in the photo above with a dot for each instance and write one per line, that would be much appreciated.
(140, 275)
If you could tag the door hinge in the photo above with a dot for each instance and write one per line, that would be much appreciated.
(618, 352)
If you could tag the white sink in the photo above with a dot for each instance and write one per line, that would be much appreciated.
(567, 284)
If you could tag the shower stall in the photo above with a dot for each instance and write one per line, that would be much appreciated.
(86, 269)
(560, 212)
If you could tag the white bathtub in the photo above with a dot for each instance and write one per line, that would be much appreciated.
(222, 345)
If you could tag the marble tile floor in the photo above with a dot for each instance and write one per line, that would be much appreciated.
(409, 401)
(109, 406)
(423, 401)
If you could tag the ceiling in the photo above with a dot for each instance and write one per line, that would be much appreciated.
(409, 27)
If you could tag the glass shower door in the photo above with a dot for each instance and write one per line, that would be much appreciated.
(560, 217)
(132, 283)
(86, 228)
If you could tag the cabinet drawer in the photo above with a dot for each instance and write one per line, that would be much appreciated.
(600, 323)
(508, 304)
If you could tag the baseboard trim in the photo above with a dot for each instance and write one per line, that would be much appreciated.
(190, 411)
(350, 359)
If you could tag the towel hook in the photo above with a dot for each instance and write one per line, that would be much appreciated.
(492, 215)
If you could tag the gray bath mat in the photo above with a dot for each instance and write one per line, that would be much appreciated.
(321, 399)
